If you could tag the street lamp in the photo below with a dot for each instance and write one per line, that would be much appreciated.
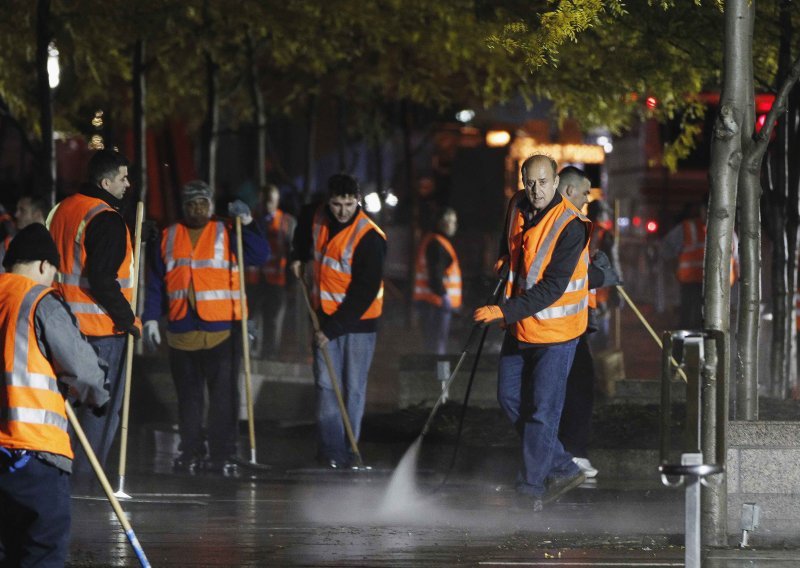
(53, 69)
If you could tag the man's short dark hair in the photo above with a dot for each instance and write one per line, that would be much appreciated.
(570, 175)
(105, 164)
(340, 185)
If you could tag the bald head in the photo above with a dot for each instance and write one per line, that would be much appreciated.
(540, 180)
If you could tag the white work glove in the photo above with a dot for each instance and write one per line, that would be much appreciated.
(240, 209)
(152, 337)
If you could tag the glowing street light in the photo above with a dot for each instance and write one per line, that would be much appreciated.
(465, 115)
(53, 69)
(372, 202)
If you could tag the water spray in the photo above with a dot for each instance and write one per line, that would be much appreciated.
(402, 490)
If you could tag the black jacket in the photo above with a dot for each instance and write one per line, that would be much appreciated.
(105, 252)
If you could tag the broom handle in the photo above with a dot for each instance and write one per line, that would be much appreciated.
(126, 400)
(332, 373)
(245, 342)
(650, 329)
(101, 476)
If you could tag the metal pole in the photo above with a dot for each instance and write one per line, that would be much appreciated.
(692, 514)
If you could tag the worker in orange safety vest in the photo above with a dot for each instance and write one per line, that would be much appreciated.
(347, 250)
(193, 277)
(546, 247)
(267, 283)
(437, 282)
(95, 278)
(38, 335)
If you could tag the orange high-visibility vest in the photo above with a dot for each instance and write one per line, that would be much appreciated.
(333, 262)
(68, 223)
(278, 235)
(530, 253)
(32, 411)
(452, 274)
(690, 260)
(210, 268)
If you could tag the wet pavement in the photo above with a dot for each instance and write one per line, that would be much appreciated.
(295, 514)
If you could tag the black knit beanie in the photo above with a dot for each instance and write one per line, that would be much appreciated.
(31, 243)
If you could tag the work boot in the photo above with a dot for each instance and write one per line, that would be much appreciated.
(185, 464)
(558, 486)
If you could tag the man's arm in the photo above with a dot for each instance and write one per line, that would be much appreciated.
(556, 276)
(74, 360)
(366, 281)
(437, 260)
(155, 297)
(255, 245)
(302, 241)
(105, 251)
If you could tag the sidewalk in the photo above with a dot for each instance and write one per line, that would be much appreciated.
(296, 514)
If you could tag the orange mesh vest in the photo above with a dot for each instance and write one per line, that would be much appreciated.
(333, 262)
(209, 268)
(32, 410)
(690, 260)
(452, 274)
(278, 235)
(68, 223)
(530, 253)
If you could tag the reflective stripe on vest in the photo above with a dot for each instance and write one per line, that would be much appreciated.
(531, 251)
(451, 277)
(209, 268)
(68, 222)
(32, 410)
(333, 262)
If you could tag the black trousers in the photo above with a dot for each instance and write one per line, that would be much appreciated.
(35, 516)
(576, 418)
(691, 309)
(218, 369)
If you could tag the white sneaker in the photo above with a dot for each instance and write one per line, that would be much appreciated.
(586, 467)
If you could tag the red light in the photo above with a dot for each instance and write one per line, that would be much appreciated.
(760, 121)
(764, 102)
(652, 226)
(637, 221)
(651, 102)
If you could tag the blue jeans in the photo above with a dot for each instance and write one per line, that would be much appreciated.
(35, 516)
(100, 431)
(435, 322)
(531, 386)
(351, 355)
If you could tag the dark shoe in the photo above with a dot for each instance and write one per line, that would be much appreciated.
(225, 468)
(558, 486)
(185, 464)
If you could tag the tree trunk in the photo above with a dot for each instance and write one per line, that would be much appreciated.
(140, 118)
(259, 116)
(311, 135)
(414, 233)
(726, 155)
(47, 152)
(211, 127)
(341, 134)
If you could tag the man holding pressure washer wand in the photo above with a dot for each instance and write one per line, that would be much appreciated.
(546, 246)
